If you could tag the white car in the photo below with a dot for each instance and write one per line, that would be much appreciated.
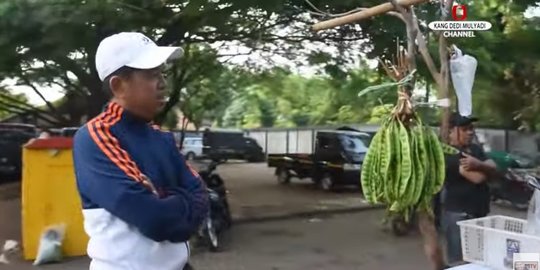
(193, 148)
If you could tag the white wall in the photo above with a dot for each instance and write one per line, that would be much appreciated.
(301, 140)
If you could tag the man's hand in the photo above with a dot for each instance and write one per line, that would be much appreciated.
(476, 177)
(470, 163)
(148, 184)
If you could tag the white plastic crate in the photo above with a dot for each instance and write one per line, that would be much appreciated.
(492, 240)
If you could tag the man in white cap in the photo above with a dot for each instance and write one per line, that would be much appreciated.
(141, 201)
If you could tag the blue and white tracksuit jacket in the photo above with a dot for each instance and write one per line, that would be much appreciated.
(141, 201)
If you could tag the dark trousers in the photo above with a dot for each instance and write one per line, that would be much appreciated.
(452, 234)
(451, 230)
(188, 267)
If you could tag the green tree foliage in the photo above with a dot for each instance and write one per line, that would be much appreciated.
(52, 42)
(506, 86)
(12, 103)
(379, 113)
(281, 98)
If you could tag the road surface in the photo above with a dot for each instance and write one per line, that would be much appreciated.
(339, 242)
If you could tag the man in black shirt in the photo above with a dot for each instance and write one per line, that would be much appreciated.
(466, 193)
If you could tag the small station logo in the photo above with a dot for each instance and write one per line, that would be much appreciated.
(459, 26)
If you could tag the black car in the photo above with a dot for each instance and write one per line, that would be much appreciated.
(337, 160)
(223, 145)
(12, 139)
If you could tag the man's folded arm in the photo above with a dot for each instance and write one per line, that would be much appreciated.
(190, 180)
(107, 180)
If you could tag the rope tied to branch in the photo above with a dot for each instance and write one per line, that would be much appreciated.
(407, 79)
(402, 95)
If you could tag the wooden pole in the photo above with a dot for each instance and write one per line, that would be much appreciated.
(426, 223)
(444, 91)
(364, 14)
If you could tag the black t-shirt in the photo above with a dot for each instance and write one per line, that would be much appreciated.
(462, 195)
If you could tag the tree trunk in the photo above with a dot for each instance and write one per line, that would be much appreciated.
(444, 86)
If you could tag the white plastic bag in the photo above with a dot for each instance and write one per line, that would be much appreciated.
(463, 70)
(533, 215)
(10, 246)
(50, 245)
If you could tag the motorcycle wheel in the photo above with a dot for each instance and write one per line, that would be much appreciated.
(212, 236)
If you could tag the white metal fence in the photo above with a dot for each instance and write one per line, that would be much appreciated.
(302, 140)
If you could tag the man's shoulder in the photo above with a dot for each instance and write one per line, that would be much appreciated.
(82, 138)
(81, 133)
(165, 135)
(477, 150)
(476, 147)
(97, 124)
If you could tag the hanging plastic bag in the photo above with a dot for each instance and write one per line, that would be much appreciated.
(50, 245)
(463, 70)
(533, 215)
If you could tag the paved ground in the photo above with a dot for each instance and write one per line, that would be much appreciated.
(339, 242)
(255, 193)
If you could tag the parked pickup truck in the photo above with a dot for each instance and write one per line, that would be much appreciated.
(337, 160)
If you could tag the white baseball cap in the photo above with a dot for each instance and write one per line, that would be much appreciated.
(133, 50)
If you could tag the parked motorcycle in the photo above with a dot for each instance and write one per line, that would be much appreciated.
(513, 189)
(219, 217)
(510, 185)
(533, 181)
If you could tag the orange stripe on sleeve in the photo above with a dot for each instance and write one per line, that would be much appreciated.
(111, 144)
(103, 137)
(92, 130)
(114, 145)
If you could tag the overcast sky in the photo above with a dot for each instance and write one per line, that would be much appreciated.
(55, 93)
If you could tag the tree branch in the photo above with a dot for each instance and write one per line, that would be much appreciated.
(423, 49)
(327, 14)
(70, 85)
(360, 15)
(420, 40)
(176, 29)
(48, 104)
(83, 76)
(10, 108)
(21, 103)
(233, 55)
(397, 15)
(407, 14)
